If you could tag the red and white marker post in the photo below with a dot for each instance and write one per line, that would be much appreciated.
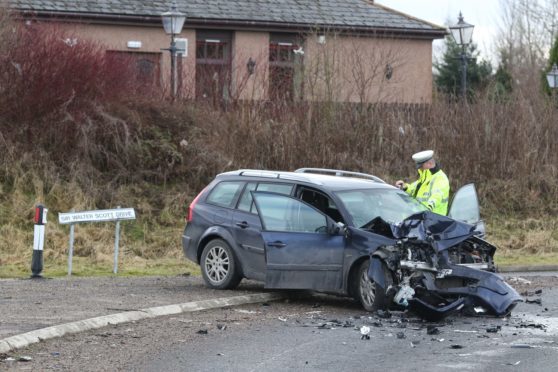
(40, 221)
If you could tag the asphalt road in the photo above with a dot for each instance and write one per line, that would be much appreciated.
(312, 333)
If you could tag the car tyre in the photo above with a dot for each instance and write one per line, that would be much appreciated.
(219, 266)
(371, 296)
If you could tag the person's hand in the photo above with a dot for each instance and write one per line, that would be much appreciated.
(399, 184)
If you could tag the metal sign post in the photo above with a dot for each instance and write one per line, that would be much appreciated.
(71, 250)
(116, 241)
(107, 215)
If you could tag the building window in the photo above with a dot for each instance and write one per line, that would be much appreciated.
(285, 67)
(146, 67)
(213, 65)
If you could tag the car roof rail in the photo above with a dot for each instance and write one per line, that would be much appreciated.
(271, 174)
(340, 173)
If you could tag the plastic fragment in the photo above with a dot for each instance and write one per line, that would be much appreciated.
(202, 332)
(364, 331)
(521, 346)
(400, 335)
(456, 346)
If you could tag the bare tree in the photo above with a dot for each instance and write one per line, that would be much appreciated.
(527, 30)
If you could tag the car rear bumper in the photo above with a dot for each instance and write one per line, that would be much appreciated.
(189, 251)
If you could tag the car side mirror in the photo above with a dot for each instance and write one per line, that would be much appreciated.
(338, 228)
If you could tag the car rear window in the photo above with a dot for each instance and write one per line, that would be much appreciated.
(224, 194)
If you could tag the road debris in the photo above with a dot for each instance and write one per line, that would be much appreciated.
(512, 364)
(531, 293)
(401, 335)
(282, 319)
(432, 330)
(383, 314)
(494, 329)
(532, 325)
(536, 301)
(221, 327)
(202, 332)
(456, 346)
(364, 331)
(521, 346)
(519, 280)
(245, 311)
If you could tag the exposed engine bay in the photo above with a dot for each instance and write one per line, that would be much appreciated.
(437, 267)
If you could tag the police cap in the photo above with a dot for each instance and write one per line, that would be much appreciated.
(422, 157)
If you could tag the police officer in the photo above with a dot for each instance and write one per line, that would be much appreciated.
(432, 187)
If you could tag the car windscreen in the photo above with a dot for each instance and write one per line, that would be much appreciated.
(391, 205)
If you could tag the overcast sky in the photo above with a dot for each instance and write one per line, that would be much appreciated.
(484, 14)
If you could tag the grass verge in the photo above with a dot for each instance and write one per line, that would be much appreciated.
(527, 241)
(85, 267)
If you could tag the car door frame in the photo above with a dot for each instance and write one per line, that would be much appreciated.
(284, 251)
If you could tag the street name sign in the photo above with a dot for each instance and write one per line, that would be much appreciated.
(97, 216)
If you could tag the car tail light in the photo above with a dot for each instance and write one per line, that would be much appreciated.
(191, 207)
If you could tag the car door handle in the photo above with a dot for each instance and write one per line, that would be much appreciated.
(242, 224)
(276, 244)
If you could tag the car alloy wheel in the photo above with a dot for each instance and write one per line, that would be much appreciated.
(217, 264)
(220, 269)
(367, 290)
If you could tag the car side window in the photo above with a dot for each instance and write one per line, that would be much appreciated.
(224, 194)
(246, 204)
(283, 213)
(319, 201)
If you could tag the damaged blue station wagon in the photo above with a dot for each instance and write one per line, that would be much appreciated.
(346, 233)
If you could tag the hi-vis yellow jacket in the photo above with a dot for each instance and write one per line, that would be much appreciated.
(431, 189)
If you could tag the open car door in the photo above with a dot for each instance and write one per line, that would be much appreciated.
(303, 248)
(465, 207)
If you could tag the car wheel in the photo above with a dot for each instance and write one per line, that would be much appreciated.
(218, 265)
(367, 292)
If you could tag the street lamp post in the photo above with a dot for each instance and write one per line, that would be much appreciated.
(552, 78)
(173, 21)
(462, 33)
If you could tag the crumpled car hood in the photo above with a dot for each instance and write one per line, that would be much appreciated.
(439, 231)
